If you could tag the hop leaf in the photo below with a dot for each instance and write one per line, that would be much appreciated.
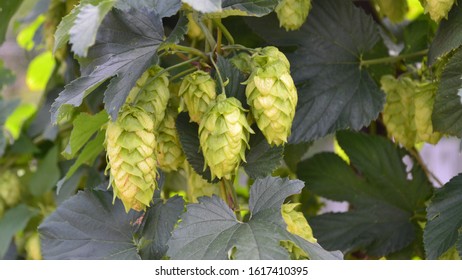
(2, 208)
(198, 187)
(408, 109)
(10, 189)
(151, 94)
(272, 95)
(224, 136)
(197, 90)
(292, 13)
(170, 155)
(131, 141)
(438, 9)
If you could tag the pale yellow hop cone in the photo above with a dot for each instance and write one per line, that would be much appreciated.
(292, 13)
(131, 141)
(272, 95)
(151, 95)
(424, 100)
(197, 91)
(298, 225)
(170, 155)
(224, 136)
(198, 187)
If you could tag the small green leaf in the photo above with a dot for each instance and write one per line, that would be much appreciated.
(210, 230)
(383, 195)
(84, 127)
(89, 153)
(14, 220)
(39, 71)
(47, 174)
(447, 110)
(448, 37)
(88, 226)
(83, 32)
(189, 138)
(444, 215)
(334, 91)
(7, 11)
(158, 224)
(177, 34)
(261, 158)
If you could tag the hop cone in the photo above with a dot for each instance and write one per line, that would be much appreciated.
(170, 155)
(224, 135)
(296, 224)
(131, 141)
(198, 187)
(197, 91)
(272, 95)
(194, 31)
(10, 188)
(152, 96)
(32, 247)
(408, 109)
(292, 13)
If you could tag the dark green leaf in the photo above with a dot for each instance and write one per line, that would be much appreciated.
(84, 127)
(447, 111)
(261, 159)
(88, 226)
(13, 221)
(158, 224)
(89, 154)
(7, 11)
(47, 174)
(113, 56)
(210, 230)
(6, 76)
(444, 215)
(234, 78)
(417, 35)
(448, 37)
(383, 196)
(334, 91)
(164, 8)
(293, 153)
(177, 34)
(188, 132)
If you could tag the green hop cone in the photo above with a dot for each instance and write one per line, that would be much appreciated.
(197, 91)
(224, 136)
(10, 188)
(292, 13)
(408, 109)
(131, 141)
(170, 155)
(272, 95)
(32, 247)
(151, 96)
(198, 187)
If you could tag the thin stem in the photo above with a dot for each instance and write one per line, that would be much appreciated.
(238, 47)
(222, 85)
(208, 35)
(427, 171)
(225, 31)
(231, 196)
(392, 59)
(219, 37)
(190, 50)
(183, 73)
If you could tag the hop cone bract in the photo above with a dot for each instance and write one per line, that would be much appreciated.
(131, 141)
(197, 91)
(292, 13)
(10, 188)
(198, 187)
(224, 136)
(272, 95)
(170, 155)
(296, 224)
(408, 109)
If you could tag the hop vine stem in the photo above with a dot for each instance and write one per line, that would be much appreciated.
(391, 59)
